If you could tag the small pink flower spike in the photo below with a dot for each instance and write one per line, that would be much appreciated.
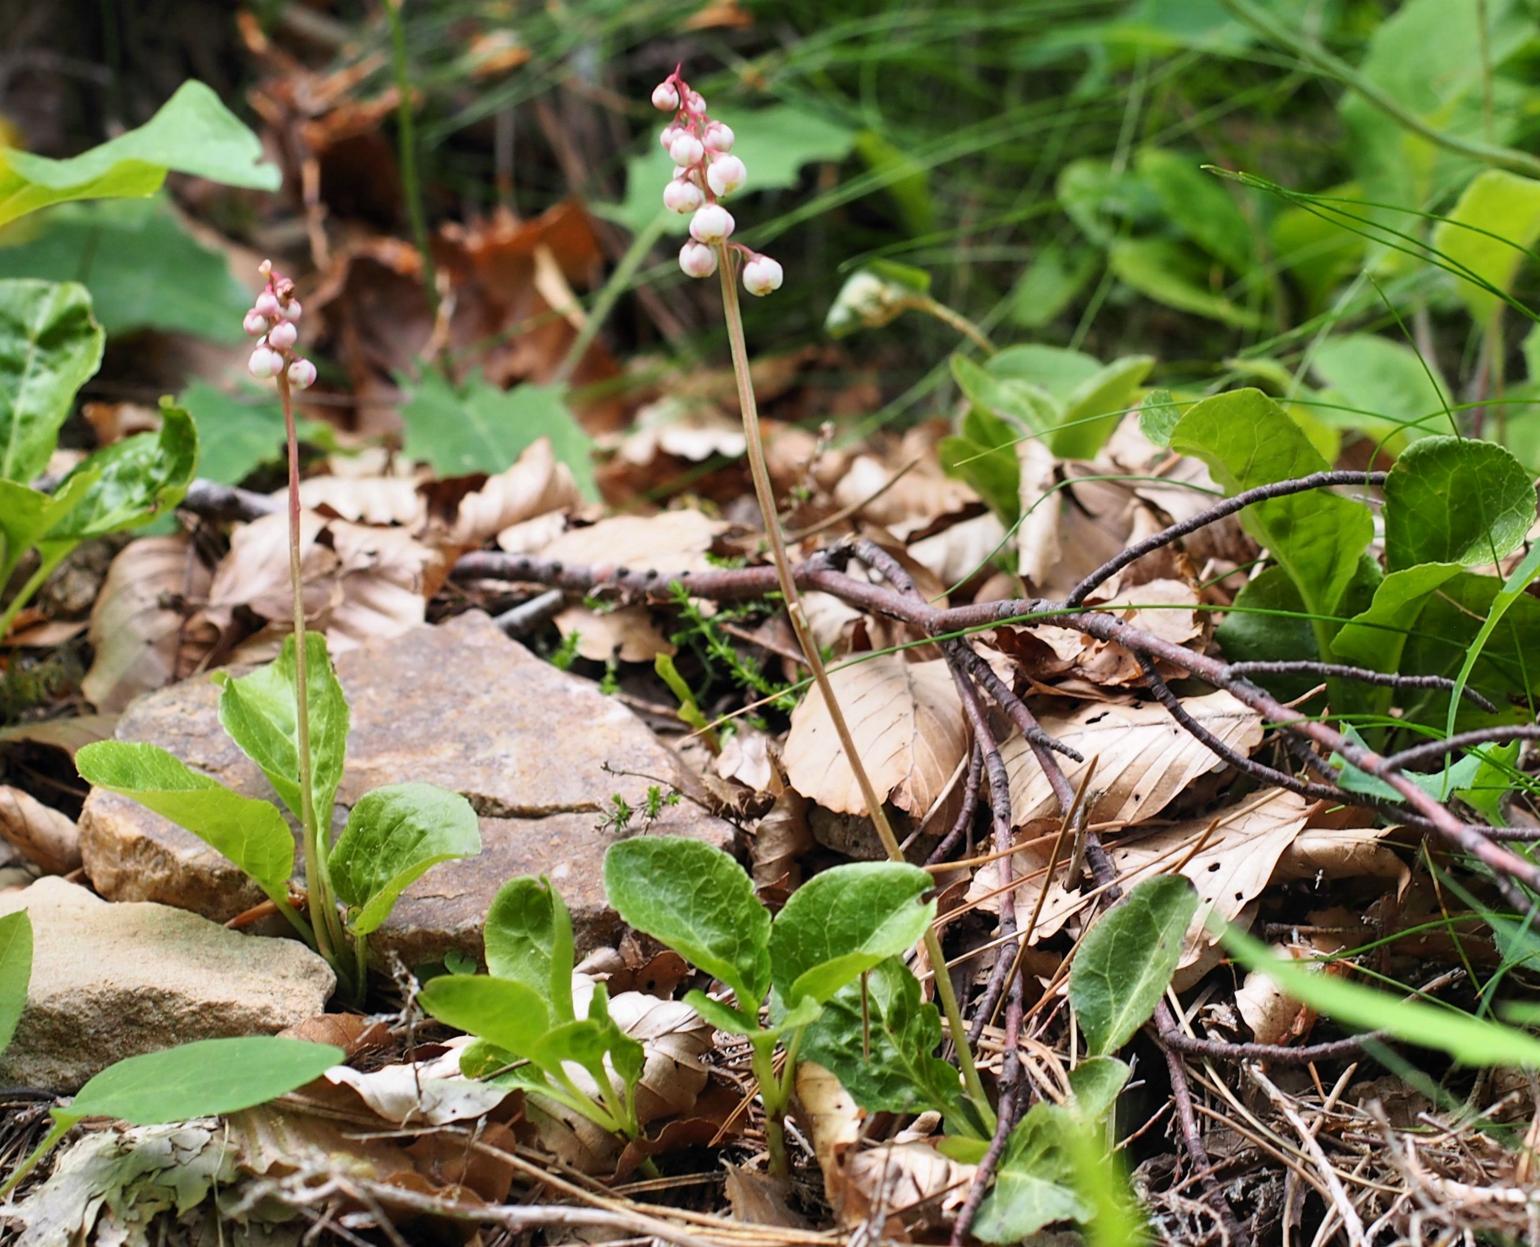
(711, 223)
(283, 335)
(718, 137)
(681, 196)
(695, 103)
(291, 311)
(725, 174)
(686, 150)
(301, 374)
(264, 363)
(761, 275)
(665, 97)
(668, 134)
(256, 324)
(697, 260)
(266, 305)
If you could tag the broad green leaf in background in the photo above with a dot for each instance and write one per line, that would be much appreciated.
(774, 143)
(1168, 273)
(1320, 254)
(845, 921)
(133, 480)
(1455, 500)
(906, 180)
(1100, 200)
(1126, 961)
(1514, 589)
(1199, 205)
(1159, 413)
(480, 428)
(243, 431)
(192, 133)
(110, 246)
(1248, 440)
(1056, 276)
(1055, 370)
(251, 833)
(528, 938)
(395, 835)
(698, 901)
(511, 1015)
(982, 454)
(1097, 406)
(1469, 1040)
(15, 971)
(1497, 202)
(257, 710)
(1267, 622)
(49, 347)
(1481, 630)
(1385, 382)
(883, 1051)
(1035, 1184)
(1376, 637)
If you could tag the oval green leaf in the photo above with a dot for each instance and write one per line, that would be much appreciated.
(505, 1013)
(49, 347)
(15, 971)
(1455, 500)
(529, 939)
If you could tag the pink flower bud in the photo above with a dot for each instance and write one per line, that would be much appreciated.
(254, 324)
(686, 150)
(301, 374)
(725, 174)
(761, 275)
(264, 363)
(282, 336)
(695, 104)
(718, 137)
(292, 311)
(697, 260)
(665, 97)
(681, 196)
(711, 223)
(267, 305)
(668, 134)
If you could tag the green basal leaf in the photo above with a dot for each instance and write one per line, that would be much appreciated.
(1455, 500)
(202, 1079)
(192, 133)
(501, 1011)
(1376, 637)
(1468, 1039)
(258, 712)
(134, 480)
(1396, 395)
(395, 835)
(1126, 961)
(723, 1017)
(1054, 370)
(1097, 406)
(1169, 273)
(982, 454)
(1035, 1184)
(15, 971)
(1495, 202)
(1097, 1082)
(1025, 405)
(843, 922)
(49, 347)
(884, 1054)
(1199, 205)
(1159, 414)
(529, 939)
(626, 1054)
(251, 833)
(28, 515)
(699, 902)
(242, 431)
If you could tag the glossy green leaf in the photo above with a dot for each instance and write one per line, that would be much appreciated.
(50, 345)
(1376, 637)
(1248, 440)
(192, 133)
(28, 515)
(1126, 961)
(15, 971)
(698, 901)
(1035, 1183)
(845, 921)
(201, 1079)
(395, 835)
(1455, 500)
(251, 833)
(1499, 203)
(1476, 629)
(132, 481)
(480, 428)
(1468, 1039)
(1169, 274)
(1096, 407)
(723, 1016)
(528, 938)
(258, 711)
(884, 1055)
(1096, 1083)
(506, 1013)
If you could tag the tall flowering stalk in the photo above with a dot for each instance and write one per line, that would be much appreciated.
(705, 172)
(274, 322)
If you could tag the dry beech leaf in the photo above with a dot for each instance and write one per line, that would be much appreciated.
(422, 1093)
(535, 485)
(39, 832)
(626, 632)
(392, 500)
(1038, 546)
(907, 723)
(960, 551)
(760, 1198)
(1143, 757)
(780, 839)
(141, 640)
(1344, 853)
(65, 735)
(1165, 608)
(1273, 1017)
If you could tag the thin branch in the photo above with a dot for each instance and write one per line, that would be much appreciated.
(1346, 671)
(1278, 1054)
(1434, 750)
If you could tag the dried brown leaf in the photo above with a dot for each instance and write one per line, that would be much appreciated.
(39, 832)
(536, 484)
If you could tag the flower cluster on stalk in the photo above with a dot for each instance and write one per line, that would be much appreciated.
(274, 322)
(706, 171)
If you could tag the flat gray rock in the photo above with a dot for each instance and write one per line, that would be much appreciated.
(113, 981)
(459, 705)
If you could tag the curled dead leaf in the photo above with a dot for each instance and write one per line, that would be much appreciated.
(39, 832)
(536, 484)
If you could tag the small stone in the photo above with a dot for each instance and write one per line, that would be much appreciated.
(458, 705)
(114, 981)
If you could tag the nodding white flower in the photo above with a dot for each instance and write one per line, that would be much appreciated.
(697, 259)
(266, 305)
(668, 134)
(255, 324)
(725, 174)
(681, 196)
(292, 310)
(665, 97)
(695, 104)
(264, 362)
(301, 374)
(761, 275)
(283, 336)
(718, 137)
(711, 223)
(686, 150)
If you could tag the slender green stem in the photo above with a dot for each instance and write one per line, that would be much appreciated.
(406, 150)
(34, 582)
(360, 962)
(774, 1097)
(604, 303)
(59, 1129)
(952, 318)
(296, 920)
(765, 493)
